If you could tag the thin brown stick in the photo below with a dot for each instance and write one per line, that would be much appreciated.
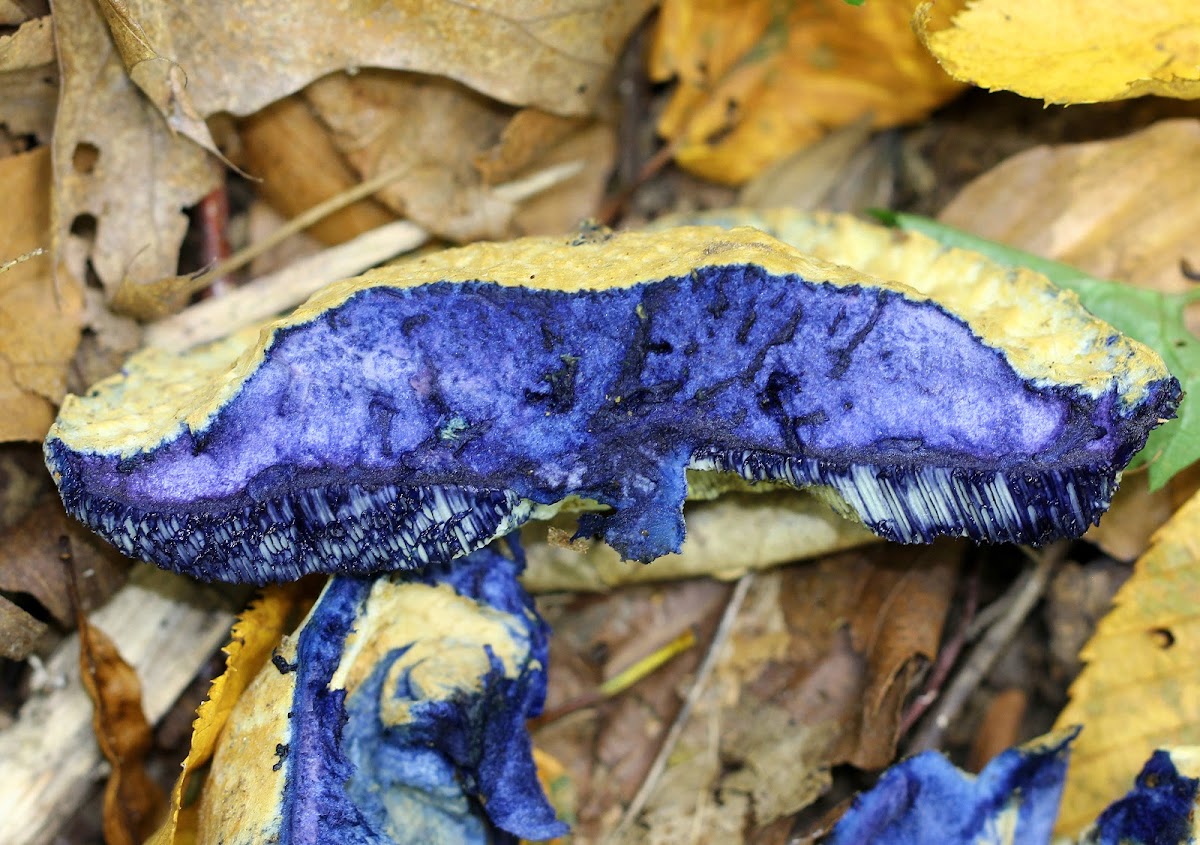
(1026, 593)
(715, 647)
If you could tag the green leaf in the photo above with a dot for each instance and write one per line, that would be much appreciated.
(1154, 318)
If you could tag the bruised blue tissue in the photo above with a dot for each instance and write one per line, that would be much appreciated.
(406, 426)
(456, 765)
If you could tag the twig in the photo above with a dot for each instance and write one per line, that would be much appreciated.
(268, 295)
(21, 259)
(1025, 595)
(946, 659)
(715, 647)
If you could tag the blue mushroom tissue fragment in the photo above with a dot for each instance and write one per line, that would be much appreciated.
(406, 426)
(1159, 810)
(1013, 801)
(454, 768)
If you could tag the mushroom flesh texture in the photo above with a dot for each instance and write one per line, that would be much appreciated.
(412, 414)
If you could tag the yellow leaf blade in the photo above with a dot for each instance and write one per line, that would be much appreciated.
(1140, 689)
(1078, 51)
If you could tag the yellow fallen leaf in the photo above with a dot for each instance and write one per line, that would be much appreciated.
(759, 80)
(1140, 689)
(39, 321)
(251, 642)
(1075, 51)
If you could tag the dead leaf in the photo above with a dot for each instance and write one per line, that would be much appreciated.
(608, 750)
(31, 561)
(132, 801)
(450, 141)
(1139, 689)
(22, 480)
(122, 178)
(29, 79)
(288, 148)
(1122, 209)
(252, 641)
(1080, 51)
(39, 323)
(725, 539)
(759, 80)
(549, 54)
(19, 631)
(815, 674)
(13, 13)
(152, 69)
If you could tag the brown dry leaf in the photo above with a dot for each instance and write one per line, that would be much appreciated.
(289, 150)
(29, 79)
(132, 800)
(608, 749)
(815, 674)
(758, 80)
(32, 562)
(122, 177)
(39, 322)
(1122, 209)
(1140, 689)
(19, 631)
(13, 12)
(725, 539)
(252, 641)
(546, 53)
(152, 69)
(450, 141)
(1074, 51)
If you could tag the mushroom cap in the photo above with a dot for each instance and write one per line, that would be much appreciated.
(412, 414)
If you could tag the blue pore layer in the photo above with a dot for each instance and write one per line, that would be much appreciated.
(411, 425)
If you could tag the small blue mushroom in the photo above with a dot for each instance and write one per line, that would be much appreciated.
(409, 416)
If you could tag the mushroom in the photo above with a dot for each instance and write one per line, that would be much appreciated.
(410, 415)
(396, 714)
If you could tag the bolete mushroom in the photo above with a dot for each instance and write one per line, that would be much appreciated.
(412, 414)
(396, 714)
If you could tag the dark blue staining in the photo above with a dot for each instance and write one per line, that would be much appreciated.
(488, 398)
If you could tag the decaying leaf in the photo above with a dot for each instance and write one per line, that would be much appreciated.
(252, 641)
(1069, 52)
(286, 147)
(1119, 209)
(19, 631)
(816, 671)
(759, 80)
(454, 146)
(122, 177)
(1139, 690)
(726, 538)
(550, 54)
(33, 558)
(596, 637)
(39, 320)
(28, 79)
(132, 800)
